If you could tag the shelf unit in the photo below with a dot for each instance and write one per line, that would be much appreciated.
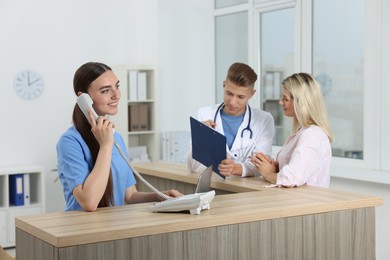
(272, 81)
(147, 137)
(8, 212)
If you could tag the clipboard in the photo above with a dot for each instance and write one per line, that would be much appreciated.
(208, 145)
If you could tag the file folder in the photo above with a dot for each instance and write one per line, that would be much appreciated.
(132, 85)
(143, 117)
(208, 145)
(26, 188)
(16, 195)
(134, 118)
(141, 86)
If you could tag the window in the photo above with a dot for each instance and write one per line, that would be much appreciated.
(226, 3)
(338, 55)
(277, 62)
(347, 56)
(231, 45)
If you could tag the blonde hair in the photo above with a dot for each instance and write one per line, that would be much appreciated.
(308, 101)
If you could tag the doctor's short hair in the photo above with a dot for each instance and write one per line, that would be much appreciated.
(309, 105)
(241, 74)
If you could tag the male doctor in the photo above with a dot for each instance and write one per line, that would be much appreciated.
(246, 129)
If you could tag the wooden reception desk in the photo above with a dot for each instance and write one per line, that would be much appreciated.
(255, 223)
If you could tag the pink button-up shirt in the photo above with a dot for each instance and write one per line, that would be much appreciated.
(305, 159)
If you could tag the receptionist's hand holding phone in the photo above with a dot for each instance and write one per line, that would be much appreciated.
(101, 126)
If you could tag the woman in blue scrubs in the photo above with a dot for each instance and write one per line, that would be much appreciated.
(92, 172)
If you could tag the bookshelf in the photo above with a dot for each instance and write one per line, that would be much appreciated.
(32, 201)
(136, 119)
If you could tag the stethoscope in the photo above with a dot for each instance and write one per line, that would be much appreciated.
(247, 128)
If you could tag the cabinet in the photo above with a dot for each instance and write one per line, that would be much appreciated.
(31, 185)
(136, 119)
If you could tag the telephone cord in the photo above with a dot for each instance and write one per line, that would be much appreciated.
(159, 193)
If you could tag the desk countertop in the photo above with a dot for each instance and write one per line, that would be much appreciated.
(63, 229)
(179, 172)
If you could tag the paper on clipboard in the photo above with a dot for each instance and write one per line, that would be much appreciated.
(208, 145)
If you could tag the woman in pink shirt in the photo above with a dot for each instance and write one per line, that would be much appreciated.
(305, 157)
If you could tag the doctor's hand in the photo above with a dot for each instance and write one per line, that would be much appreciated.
(227, 168)
(210, 123)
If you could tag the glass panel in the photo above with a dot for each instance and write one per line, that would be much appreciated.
(338, 65)
(277, 62)
(226, 3)
(231, 45)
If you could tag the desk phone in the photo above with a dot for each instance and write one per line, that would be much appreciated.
(195, 203)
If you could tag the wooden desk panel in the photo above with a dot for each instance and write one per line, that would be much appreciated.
(271, 223)
(347, 234)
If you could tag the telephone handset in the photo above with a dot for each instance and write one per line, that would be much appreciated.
(192, 202)
(85, 101)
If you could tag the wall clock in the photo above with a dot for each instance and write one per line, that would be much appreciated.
(28, 84)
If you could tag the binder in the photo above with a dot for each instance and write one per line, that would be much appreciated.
(178, 145)
(143, 117)
(132, 85)
(141, 86)
(26, 190)
(164, 146)
(16, 195)
(134, 118)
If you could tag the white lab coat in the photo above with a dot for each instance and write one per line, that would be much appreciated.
(263, 129)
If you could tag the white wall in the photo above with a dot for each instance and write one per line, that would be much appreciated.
(56, 38)
(186, 60)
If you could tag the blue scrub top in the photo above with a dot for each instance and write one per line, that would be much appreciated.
(75, 163)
